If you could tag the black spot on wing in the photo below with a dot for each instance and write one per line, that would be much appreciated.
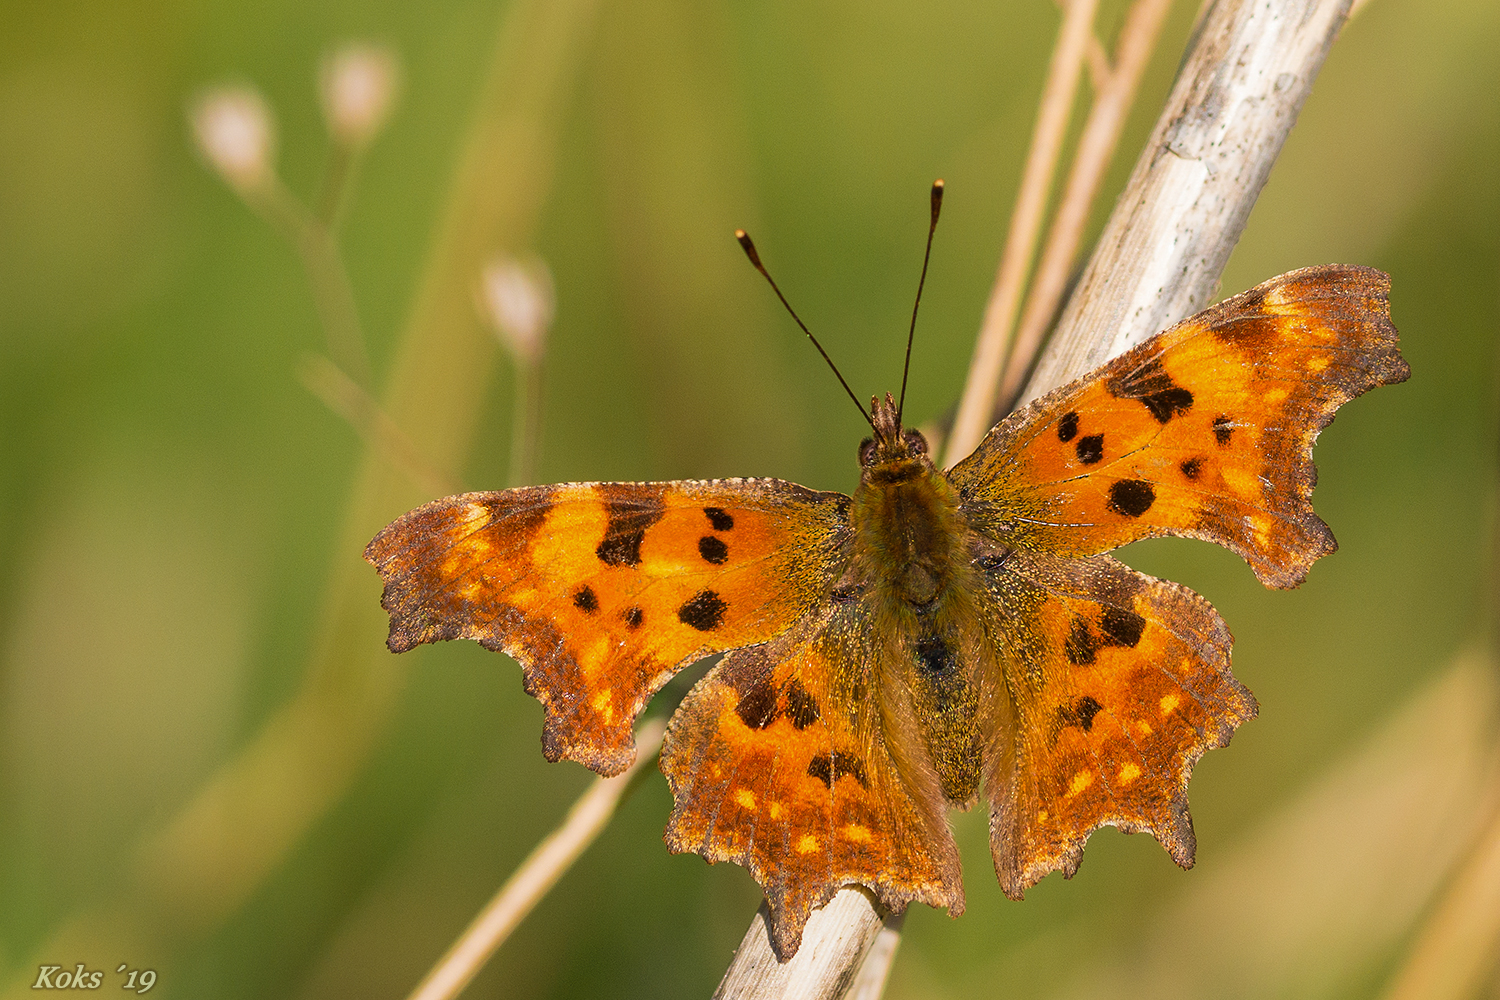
(1223, 429)
(1081, 644)
(1154, 388)
(585, 600)
(629, 512)
(1086, 708)
(1131, 497)
(1191, 468)
(633, 616)
(1117, 627)
(713, 550)
(757, 707)
(830, 767)
(703, 611)
(1067, 427)
(721, 519)
(1081, 713)
(801, 707)
(1090, 449)
(1122, 627)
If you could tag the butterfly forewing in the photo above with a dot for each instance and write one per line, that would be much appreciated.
(603, 590)
(1205, 430)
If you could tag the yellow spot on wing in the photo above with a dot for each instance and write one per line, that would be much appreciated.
(1317, 363)
(807, 844)
(1275, 396)
(745, 797)
(1169, 702)
(476, 516)
(1260, 525)
(1081, 780)
(591, 657)
(1241, 482)
(776, 810)
(1041, 817)
(857, 833)
(1128, 773)
(1144, 728)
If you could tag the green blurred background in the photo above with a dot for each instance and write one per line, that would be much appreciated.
(210, 766)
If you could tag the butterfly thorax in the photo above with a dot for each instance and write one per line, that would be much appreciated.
(912, 566)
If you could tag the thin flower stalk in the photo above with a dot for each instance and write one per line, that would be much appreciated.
(1096, 149)
(547, 863)
(1058, 93)
(518, 301)
(348, 399)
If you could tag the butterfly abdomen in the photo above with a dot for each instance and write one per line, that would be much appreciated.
(910, 549)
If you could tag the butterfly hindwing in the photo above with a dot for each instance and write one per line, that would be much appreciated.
(1205, 430)
(1119, 682)
(602, 591)
(778, 761)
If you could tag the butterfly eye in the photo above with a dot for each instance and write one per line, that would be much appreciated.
(866, 451)
(915, 442)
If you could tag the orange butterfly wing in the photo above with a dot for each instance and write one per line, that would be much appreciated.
(778, 760)
(1205, 430)
(602, 591)
(805, 754)
(1119, 682)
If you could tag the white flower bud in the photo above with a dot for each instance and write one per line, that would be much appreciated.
(518, 300)
(236, 134)
(358, 83)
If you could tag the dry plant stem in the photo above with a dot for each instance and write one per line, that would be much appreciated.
(1182, 211)
(1099, 65)
(1025, 223)
(1236, 98)
(876, 968)
(835, 944)
(1460, 942)
(1096, 149)
(537, 874)
(333, 295)
(348, 399)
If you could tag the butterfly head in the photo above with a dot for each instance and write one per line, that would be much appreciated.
(892, 448)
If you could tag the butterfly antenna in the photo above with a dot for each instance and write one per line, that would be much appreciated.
(749, 248)
(937, 206)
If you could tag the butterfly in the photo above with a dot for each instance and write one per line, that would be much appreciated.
(939, 636)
